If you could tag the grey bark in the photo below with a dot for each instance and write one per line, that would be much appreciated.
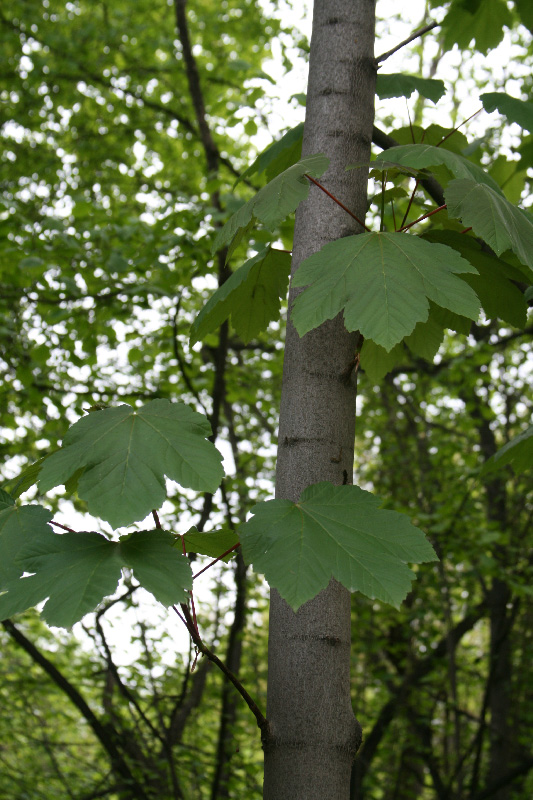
(313, 735)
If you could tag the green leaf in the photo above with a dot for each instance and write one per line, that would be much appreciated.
(511, 176)
(423, 342)
(377, 362)
(18, 524)
(275, 201)
(278, 156)
(6, 500)
(383, 282)
(482, 22)
(157, 564)
(511, 107)
(25, 480)
(333, 532)
(525, 12)
(127, 452)
(211, 544)
(518, 453)
(31, 262)
(492, 217)
(242, 234)
(117, 263)
(446, 138)
(251, 296)
(73, 570)
(71, 486)
(381, 168)
(447, 319)
(399, 84)
(427, 155)
(500, 298)
(426, 338)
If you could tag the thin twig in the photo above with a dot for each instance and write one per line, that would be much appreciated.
(195, 636)
(337, 201)
(411, 38)
(181, 361)
(417, 180)
(459, 126)
(410, 203)
(410, 121)
(64, 527)
(124, 690)
(393, 214)
(216, 560)
(424, 216)
(190, 592)
(179, 615)
(104, 732)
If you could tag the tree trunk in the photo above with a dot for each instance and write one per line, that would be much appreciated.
(502, 739)
(230, 698)
(313, 734)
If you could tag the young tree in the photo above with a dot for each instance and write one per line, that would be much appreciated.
(110, 236)
(313, 736)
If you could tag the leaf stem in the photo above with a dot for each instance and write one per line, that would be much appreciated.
(156, 518)
(393, 214)
(425, 216)
(383, 182)
(197, 640)
(195, 623)
(59, 525)
(411, 38)
(459, 126)
(337, 201)
(410, 121)
(216, 560)
(409, 204)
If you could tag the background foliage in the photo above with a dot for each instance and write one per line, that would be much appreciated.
(111, 189)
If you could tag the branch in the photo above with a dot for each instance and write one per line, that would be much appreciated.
(411, 38)
(124, 690)
(434, 369)
(181, 361)
(420, 669)
(103, 733)
(505, 780)
(187, 703)
(430, 184)
(86, 73)
(261, 720)
(211, 150)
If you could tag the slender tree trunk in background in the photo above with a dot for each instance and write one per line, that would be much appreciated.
(230, 698)
(501, 617)
(502, 740)
(313, 734)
